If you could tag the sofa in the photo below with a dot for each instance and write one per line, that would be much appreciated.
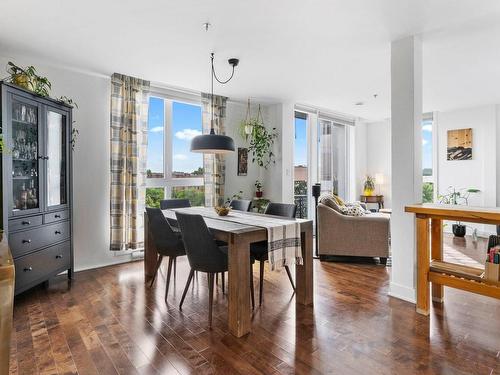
(360, 236)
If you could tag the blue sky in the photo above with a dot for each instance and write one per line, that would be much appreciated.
(300, 147)
(186, 123)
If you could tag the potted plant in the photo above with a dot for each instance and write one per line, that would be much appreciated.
(457, 197)
(261, 140)
(28, 78)
(369, 186)
(258, 189)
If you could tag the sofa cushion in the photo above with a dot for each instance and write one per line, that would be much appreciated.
(329, 201)
(354, 209)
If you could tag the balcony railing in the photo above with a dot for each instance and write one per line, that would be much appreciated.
(301, 202)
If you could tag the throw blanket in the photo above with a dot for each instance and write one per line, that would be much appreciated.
(283, 235)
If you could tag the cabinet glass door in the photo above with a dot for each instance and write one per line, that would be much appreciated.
(25, 151)
(56, 137)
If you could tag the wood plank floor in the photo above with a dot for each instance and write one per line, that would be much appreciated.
(109, 322)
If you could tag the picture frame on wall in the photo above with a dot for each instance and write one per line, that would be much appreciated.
(242, 161)
(459, 144)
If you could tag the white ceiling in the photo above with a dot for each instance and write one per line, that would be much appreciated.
(328, 53)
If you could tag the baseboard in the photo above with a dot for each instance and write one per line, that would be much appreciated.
(402, 292)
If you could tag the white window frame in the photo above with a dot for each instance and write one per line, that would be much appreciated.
(168, 182)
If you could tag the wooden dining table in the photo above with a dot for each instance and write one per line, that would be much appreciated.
(239, 237)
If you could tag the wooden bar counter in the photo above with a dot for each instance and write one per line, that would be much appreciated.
(430, 265)
(7, 277)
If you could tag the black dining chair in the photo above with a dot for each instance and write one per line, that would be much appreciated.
(259, 250)
(167, 204)
(203, 253)
(167, 242)
(241, 204)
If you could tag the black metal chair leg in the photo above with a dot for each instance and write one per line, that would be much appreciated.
(216, 279)
(169, 272)
(223, 283)
(158, 263)
(210, 298)
(290, 277)
(261, 282)
(252, 293)
(190, 277)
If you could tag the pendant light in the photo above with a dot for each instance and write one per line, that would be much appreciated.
(214, 143)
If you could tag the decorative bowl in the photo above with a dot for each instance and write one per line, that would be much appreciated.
(222, 210)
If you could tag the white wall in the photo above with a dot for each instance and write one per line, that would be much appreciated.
(235, 113)
(481, 171)
(90, 159)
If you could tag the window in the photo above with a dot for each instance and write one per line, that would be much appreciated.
(427, 160)
(173, 171)
(300, 174)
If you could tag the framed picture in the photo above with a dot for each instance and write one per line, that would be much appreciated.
(242, 161)
(459, 144)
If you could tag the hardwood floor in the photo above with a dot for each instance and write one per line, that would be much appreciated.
(110, 322)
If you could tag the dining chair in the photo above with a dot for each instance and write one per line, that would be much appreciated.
(167, 204)
(241, 204)
(167, 242)
(203, 253)
(259, 250)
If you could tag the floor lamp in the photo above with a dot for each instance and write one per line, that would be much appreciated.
(316, 192)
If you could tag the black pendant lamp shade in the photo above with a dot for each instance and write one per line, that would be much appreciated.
(214, 143)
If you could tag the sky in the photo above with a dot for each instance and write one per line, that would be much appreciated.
(186, 124)
(300, 146)
(427, 144)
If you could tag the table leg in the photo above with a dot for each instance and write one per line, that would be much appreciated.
(304, 272)
(437, 254)
(239, 312)
(150, 255)
(423, 264)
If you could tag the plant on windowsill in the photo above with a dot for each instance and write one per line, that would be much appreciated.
(457, 197)
(261, 140)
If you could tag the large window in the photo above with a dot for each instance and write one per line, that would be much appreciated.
(173, 171)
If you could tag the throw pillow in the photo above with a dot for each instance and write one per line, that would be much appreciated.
(354, 209)
(329, 201)
(339, 200)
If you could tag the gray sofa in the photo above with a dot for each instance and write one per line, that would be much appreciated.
(362, 236)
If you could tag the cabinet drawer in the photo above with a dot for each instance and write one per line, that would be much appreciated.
(40, 265)
(55, 216)
(25, 242)
(25, 223)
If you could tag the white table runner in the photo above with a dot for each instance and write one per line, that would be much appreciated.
(283, 235)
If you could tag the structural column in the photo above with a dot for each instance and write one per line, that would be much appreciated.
(406, 161)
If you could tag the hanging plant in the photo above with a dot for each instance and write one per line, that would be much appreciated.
(74, 131)
(261, 140)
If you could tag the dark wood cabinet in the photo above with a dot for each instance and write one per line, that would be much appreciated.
(36, 185)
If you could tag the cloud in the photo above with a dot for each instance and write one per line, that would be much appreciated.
(180, 157)
(427, 128)
(187, 134)
(424, 141)
(156, 129)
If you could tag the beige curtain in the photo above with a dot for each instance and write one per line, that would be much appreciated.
(129, 114)
(214, 178)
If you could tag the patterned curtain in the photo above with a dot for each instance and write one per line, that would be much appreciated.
(129, 114)
(214, 165)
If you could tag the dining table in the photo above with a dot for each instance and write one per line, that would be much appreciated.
(239, 236)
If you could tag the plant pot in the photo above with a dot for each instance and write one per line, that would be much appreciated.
(259, 194)
(23, 81)
(368, 192)
(459, 230)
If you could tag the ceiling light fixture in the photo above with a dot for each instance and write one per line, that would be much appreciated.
(214, 143)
